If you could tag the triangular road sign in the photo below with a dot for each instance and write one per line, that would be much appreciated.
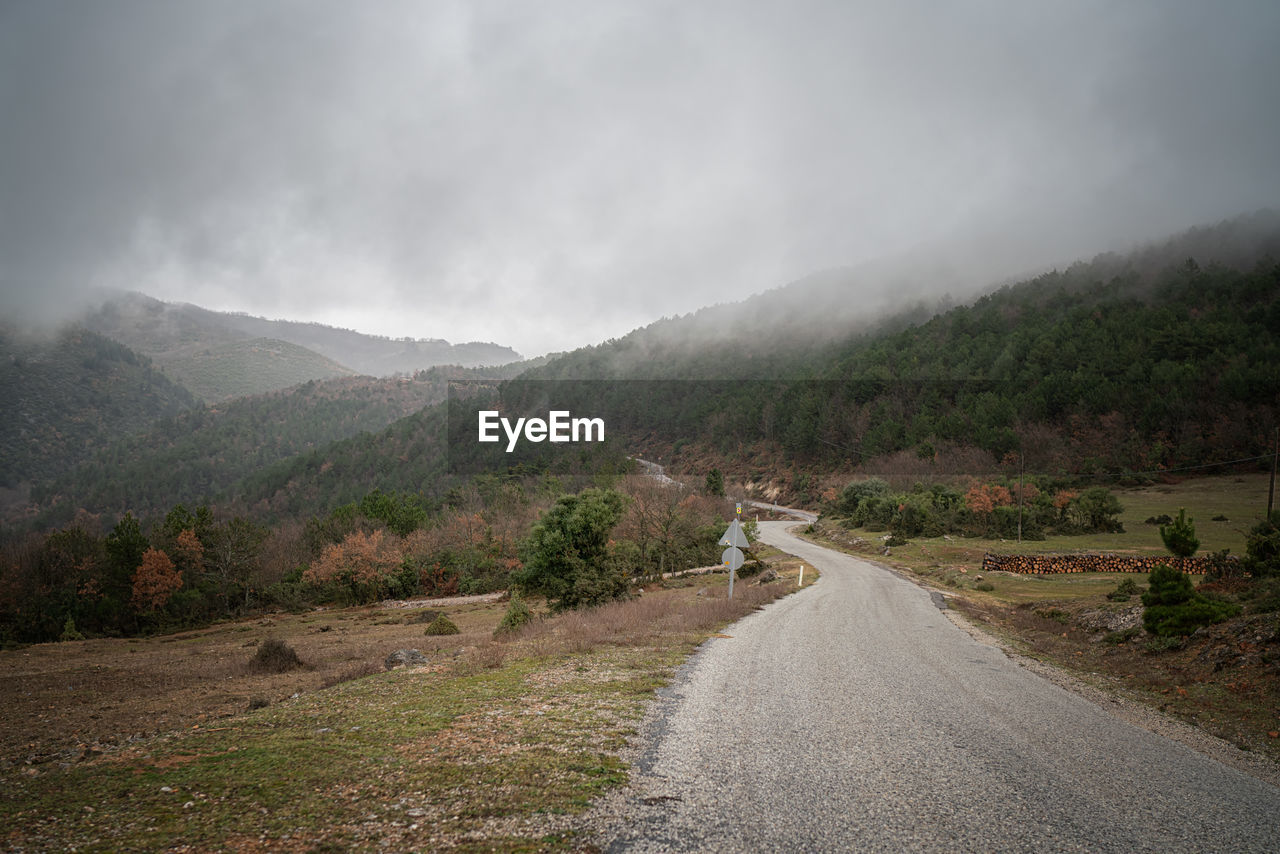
(733, 536)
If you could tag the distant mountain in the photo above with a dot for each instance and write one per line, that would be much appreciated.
(204, 353)
(67, 396)
(372, 354)
(223, 370)
(219, 355)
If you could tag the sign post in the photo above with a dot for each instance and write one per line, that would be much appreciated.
(732, 557)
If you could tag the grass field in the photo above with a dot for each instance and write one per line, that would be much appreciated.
(148, 744)
(1241, 499)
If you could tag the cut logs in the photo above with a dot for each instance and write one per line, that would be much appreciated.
(1055, 564)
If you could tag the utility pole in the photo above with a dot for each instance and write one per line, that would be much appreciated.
(1021, 469)
(1271, 490)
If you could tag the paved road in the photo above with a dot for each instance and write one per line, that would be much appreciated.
(804, 515)
(854, 716)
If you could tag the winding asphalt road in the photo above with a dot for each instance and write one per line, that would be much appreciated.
(854, 716)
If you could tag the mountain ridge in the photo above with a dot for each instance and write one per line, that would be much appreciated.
(267, 355)
(1124, 362)
(929, 393)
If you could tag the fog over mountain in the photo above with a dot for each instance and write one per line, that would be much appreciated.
(548, 175)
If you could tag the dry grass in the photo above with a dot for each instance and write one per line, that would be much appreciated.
(358, 670)
(59, 697)
(487, 655)
(146, 744)
(654, 618)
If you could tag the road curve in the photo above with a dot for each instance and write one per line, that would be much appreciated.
(854, 716)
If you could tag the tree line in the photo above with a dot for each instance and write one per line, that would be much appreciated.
(1000, 508)
(191, 566)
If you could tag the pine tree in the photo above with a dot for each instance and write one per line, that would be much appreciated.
(1179, 536)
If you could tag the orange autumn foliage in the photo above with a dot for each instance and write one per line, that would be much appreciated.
(154, 581)
(188, 551)
(1030, 492)
(984, 498)
(360, 559)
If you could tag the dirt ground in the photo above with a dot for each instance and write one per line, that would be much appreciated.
(65, 701)
(72, 701)
(1224, 678)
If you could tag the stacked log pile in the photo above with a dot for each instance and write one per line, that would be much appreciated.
(1054, 564)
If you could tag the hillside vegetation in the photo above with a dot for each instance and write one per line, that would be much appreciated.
(68, 396)
(199, 454)
(202, 454)
(219, 372)
(208, 357)
(1113, 365)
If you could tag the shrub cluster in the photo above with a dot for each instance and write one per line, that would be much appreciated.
(274, 656)
(517, 616)
(1124, 590)
(189, 568)
(983, 510)
(1262, 546)
(441, 626)
(1175, 608)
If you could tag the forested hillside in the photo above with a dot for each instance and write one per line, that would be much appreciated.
(1081, 373)
(201, 455)
(1137, 362)
(222, 372)
(798, 330)
(1119, 364)
(411, 456)
(1133, 363)
(67, 396)
(196, 456)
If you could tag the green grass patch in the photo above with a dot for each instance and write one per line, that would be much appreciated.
(385, 760)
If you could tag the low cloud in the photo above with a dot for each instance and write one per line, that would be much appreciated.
(548, 175)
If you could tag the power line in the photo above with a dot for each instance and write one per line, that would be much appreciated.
(1189, 468)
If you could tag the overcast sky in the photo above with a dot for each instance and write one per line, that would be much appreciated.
(550, 174)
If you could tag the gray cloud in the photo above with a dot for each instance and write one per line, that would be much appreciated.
(547, 175)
